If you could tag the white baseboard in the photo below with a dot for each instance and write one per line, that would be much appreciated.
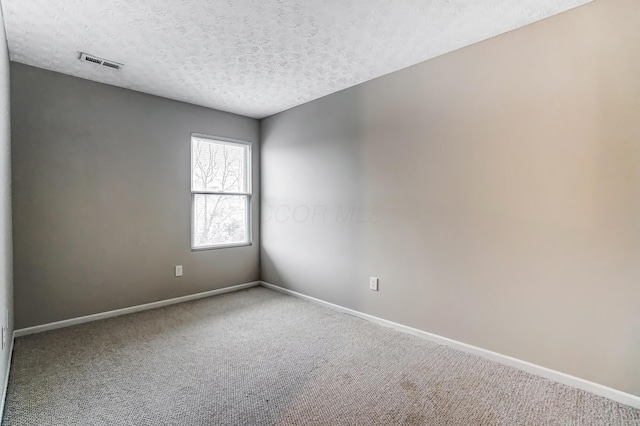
(130, 310)
(6, 379)
(556, 376)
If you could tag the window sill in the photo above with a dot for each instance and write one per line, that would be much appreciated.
(222, 246)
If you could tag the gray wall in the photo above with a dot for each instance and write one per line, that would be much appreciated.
(102, 199)
(6, 274)
(495, 191)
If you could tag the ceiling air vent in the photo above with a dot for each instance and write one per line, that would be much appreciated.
(85, 57)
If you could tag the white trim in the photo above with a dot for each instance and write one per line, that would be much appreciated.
(130, 310)
(556, 376)
(6, 378)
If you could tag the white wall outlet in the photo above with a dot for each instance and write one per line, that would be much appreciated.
(5, 329)
(178, 270)
(373, 283)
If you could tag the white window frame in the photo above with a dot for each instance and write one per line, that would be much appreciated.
(247, 195)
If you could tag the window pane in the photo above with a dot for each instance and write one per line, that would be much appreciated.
(219, 219)
(218, 166)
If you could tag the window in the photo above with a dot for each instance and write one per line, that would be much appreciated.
(220, 193)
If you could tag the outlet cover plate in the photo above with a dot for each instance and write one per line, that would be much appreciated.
(373, 283)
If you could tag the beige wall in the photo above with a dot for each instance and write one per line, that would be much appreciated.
(102, 198)
(6, 270)
(499, 195)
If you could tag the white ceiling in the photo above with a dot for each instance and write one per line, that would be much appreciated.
(253, 57)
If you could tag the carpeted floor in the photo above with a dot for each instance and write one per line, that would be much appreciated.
(257, 357)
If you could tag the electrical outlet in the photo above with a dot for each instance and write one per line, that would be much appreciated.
(5, 328)
(178, 270)
(373, 283)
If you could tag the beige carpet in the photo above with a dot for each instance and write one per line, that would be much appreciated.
(257, 357)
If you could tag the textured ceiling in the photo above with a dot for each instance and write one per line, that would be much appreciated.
(253, 57)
